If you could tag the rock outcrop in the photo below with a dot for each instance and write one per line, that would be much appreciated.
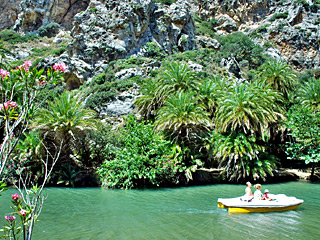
(111, 30)
(36, 13)
(292, 27)
(9, 13)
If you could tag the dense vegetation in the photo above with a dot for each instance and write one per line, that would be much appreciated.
(188, 119)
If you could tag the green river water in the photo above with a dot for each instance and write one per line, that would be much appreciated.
(173, 213)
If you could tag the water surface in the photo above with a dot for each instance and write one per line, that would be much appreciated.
(176, 213)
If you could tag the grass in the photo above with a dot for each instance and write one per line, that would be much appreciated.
(12, 37)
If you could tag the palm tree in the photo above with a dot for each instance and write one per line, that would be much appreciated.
(249, 108)
(280, 76)
(211, 90)
(148, 102)
(176, 77)
(182, 117)
(64, 121)
(309, 95)
(240, 156)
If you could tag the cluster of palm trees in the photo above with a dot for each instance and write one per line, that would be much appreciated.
(236, 118)
(224, 122)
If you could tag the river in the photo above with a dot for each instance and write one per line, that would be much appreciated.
(171, 213)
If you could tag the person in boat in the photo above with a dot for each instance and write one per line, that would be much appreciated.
(248, 196)
(266, 196)
(248, 189)
(258, 194)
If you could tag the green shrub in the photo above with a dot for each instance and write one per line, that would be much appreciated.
(263, 28)
(40, 52)
(59, 51)
(166, 2)
(15, 64)
(279, 16)
(50, 30)
(206, 27)
(153, 49)
(267, 45)
(255, 35)
(282, 25)
(11, 36)
(93, 9)
(145, 159)
(305, 76)
(242, 47)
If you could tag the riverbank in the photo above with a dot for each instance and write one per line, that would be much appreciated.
(205, 176)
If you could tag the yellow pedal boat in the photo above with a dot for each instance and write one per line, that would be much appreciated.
(280, 202)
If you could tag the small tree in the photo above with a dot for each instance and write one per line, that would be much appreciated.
(304, 126)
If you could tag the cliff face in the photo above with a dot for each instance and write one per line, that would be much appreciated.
(291, 27)
(110, 29)
(35, 13)
(116, 29)
(9, 13)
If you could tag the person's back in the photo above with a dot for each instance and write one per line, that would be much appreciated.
(248, 196)
(257, 193)
(248, 189)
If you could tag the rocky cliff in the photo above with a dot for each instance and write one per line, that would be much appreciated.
(117, 29)
(291, 27)
(107, 30)
(36, 13)
(9, 13)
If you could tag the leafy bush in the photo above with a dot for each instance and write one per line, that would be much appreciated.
(153, 49)
(242, 48)
(279, 16)
(93, 9)
(145, 159)
(206, 27)
(11, 36)
(166, 2)
(50, 30)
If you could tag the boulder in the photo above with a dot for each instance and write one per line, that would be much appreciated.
(195, 67)
(122, 105)
(206, 176)
(232, 66)
(207, 42)
(129, 73)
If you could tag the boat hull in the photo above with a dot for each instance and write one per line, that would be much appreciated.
(238, 205)
(261, 209)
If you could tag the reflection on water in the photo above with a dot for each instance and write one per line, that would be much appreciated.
(180, 213)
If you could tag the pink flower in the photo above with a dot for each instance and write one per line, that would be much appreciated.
(60, 67)
(12, 104)
(4, 73)
(8, 104)
(22, 212)
(16, 197)
(10, 218)
(26, 65)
